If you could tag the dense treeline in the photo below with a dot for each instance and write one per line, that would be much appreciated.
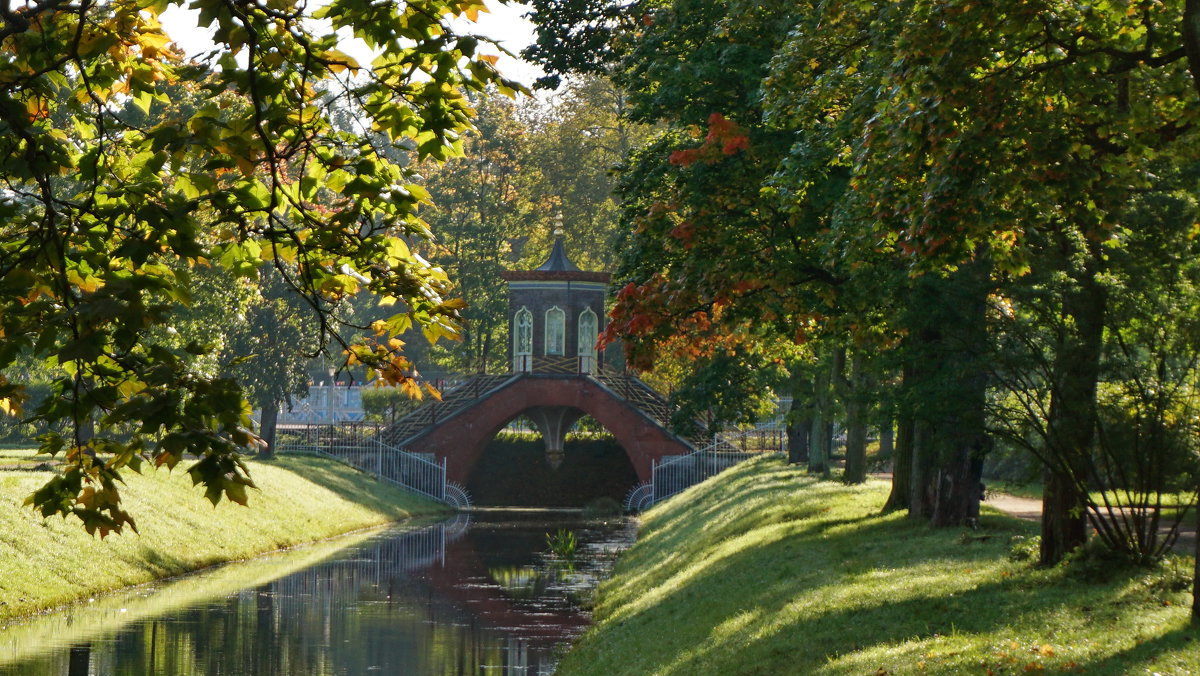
(974, 225)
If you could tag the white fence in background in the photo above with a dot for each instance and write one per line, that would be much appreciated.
(357, 445)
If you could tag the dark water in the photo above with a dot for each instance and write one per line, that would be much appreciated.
(470, 596)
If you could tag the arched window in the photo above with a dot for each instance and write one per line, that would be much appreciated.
(556, 331)
(523, 340)
(587, 341)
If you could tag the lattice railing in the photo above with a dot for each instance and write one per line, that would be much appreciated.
(675, 474)
(434, 411)
(352, 445)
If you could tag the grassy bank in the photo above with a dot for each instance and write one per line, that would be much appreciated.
(44, 563)
(764, 570)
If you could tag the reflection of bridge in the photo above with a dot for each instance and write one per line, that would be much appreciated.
(438, 573)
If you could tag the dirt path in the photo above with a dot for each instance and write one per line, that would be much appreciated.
(1022, 508)
(1030, 509)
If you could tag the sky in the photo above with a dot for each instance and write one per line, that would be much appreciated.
(502, 22)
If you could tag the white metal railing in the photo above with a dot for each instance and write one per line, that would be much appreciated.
(673, 474)
(640, 497)
(348, 444)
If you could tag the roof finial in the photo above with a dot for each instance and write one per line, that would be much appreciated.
(558, 224)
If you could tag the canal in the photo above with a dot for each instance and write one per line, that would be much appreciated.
(474, 595)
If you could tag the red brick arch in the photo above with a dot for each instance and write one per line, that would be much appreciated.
(462, 438)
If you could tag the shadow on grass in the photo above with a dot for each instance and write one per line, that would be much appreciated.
(811, 592)
(1146, 654)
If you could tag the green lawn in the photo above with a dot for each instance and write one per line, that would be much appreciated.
(48, 562)
(764, 570)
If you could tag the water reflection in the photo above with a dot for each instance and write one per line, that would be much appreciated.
(449, 599)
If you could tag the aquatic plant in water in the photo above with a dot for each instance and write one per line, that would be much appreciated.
(562, 544)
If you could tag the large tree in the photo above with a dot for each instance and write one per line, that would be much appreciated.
(104, 220)
(1016, 138)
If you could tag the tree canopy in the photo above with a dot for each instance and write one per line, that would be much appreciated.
(127, 169)
(962, 193)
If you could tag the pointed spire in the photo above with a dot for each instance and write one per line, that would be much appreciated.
(558, 261)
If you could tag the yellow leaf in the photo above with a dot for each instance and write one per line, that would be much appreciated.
(411, 389)
(490, 58)
(472, 11)
(11, 406)
(338, 61)
(245, 165)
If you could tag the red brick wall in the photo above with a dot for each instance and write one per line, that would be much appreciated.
(461, 439)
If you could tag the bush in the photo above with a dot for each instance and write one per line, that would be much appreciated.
(602, 508)
(1021, 548)
(1095, 561)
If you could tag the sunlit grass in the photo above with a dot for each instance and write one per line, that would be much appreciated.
(76, 624)
(765, 570)
(47, 562)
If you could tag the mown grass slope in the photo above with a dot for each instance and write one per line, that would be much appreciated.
(765, 570)
(48, 562)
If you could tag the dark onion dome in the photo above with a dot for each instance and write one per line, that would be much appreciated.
(557, 267)
(558, 261)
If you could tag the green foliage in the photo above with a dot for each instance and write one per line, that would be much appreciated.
(602, 508)
(1022, 548)
(562, 544)
(386, 404)
(725, 389)
(526, 166)
(479, 217)
(127, 170)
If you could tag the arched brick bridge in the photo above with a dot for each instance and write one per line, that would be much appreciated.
(470, 420)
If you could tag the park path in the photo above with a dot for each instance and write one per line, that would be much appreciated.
(1030, 509)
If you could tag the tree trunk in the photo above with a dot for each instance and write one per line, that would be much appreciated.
(962, 433)
(1072, 419)
(856, 424)
(887, 440)
(821, 447)
(1064, 526)
(818, 457)
(799, 437)
(946, 388)
(959, 487)
(800, 417)
(1196, 570)
(270, 420)
(1190, 28)
(901, 467)
(921, 476)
